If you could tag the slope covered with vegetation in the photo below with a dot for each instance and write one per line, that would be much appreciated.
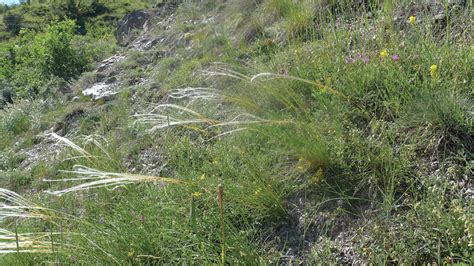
(241, 132)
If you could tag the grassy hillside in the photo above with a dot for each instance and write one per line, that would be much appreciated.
(245, 132)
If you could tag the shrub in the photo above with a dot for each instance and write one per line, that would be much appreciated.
(53, 51)
(39, 56)
(98, 43)
(12, 22)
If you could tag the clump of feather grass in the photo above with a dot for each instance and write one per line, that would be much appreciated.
(168, 115)
(266, 102)
(99, 179)
(224, 70)
(93, 177)
(242, 114)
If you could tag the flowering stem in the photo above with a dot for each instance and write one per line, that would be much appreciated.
(220, 201)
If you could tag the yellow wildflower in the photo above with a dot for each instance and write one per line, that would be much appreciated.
(257, 191)
(317, 177)
(303, 165)
(412, 20)
(384, 53)
(434, 71)
(188, 36)
(130, 253)
(197, 194)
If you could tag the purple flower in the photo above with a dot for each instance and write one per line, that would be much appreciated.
(349, 60)
(395, 57)
(366, 60)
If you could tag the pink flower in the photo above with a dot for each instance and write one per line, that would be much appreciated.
(395, 57)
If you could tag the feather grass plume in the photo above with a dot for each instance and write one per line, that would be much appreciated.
(225, 71)
(98, 179)
(68, 143)
(98, 141)
(13, 205)
(193, 94)
(167, 115)
(11, 242)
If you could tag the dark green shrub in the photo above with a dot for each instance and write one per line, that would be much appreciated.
(12, 22)
(6, 93)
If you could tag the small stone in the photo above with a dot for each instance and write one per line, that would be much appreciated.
(440, 16)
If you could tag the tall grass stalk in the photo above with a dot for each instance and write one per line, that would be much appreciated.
(220, 201)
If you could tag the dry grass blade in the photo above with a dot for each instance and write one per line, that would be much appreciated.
(100, 179)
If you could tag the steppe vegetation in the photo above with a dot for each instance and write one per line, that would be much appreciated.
(242, 132)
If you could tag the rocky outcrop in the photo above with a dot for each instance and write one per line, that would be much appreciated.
(105, 84)
(129, 25)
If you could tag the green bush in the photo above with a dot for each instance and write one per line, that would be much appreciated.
(39, 56)
(52, 51)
